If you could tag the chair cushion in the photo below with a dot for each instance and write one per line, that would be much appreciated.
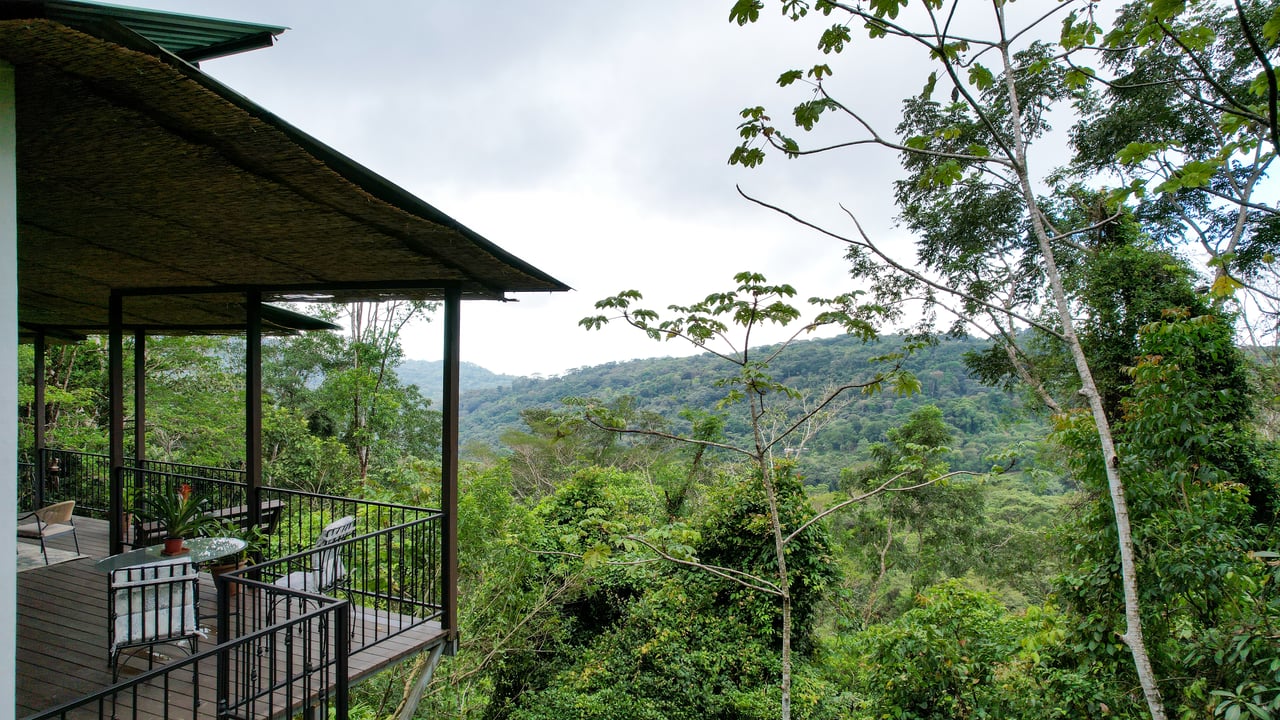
(32, 530)
(299, 580)
(156, 624)
(154, 603)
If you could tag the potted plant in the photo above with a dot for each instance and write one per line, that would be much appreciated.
(252, 535)
(180, 511)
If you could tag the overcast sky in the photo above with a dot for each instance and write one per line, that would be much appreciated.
(588, 138)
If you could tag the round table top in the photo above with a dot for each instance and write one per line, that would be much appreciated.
(198, 550)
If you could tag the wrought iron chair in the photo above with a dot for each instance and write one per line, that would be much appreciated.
(154, 604)
(327, 571)
(49, 521)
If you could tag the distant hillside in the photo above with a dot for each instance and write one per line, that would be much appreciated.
(984, 419)
(428, 375)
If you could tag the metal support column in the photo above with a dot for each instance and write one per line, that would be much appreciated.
(38, 417)
(449, 467)
(139, 398)
(253, 407)
(115, 425)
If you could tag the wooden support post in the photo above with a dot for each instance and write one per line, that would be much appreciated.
(115, 423)
(449, 467)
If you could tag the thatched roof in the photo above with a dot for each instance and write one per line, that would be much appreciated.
(139, 173)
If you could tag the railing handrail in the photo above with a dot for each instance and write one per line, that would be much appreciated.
(238, 471)
(341, 498)
(182, 476)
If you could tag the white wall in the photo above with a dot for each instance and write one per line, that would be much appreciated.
(8, 392)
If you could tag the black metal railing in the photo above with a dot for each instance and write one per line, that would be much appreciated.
(390, 578)
(73, 475)
(277, 641)
(296, 663)
(26, 487)
(86, 478)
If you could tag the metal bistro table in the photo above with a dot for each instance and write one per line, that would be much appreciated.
(198, 550)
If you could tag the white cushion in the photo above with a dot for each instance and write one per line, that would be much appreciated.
(32, 530)
(145, 609)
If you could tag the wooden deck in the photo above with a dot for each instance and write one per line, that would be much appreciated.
(62, 636)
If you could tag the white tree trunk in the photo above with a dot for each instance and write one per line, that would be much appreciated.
(1128, 566)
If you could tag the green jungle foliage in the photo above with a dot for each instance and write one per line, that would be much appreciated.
(985, 420)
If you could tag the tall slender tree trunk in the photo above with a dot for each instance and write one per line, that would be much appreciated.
(1133, 637)
(765, 462)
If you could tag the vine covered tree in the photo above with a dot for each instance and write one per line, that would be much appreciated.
(996, 242)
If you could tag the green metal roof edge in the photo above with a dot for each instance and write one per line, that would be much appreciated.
(191, 37)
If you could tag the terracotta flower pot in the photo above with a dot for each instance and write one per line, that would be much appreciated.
(224, 567)
(173, 546)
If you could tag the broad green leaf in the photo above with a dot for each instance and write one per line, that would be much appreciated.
(916, 142)
(834, 39)
(807, 114)
(1259, 87)
(1168, 9)
(1197, 37)
(745, 11)
(981, 77)
(1224, 286)
(1078, 77)
(819, 71)
(1136, 152)
(929, 85)
(887, 8)
(789, 77)
(746, 157)
(1271, 30)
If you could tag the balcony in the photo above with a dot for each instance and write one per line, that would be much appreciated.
(270, 651)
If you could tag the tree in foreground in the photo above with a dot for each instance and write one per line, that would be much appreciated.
(991, 249)
(777, 414)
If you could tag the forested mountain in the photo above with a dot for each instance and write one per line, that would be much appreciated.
(429, 374)
(983, 419)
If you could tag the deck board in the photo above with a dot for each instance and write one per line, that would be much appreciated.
(62, 638)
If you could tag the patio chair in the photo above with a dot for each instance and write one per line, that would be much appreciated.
(327, 569)
(155, 604)
(49, 521)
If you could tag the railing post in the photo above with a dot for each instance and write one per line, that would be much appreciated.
(223, 685)
(139, 397)
(342, 646)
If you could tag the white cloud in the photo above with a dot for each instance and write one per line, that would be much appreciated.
(588, 138)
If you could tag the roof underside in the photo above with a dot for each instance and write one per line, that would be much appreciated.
(138, 173)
